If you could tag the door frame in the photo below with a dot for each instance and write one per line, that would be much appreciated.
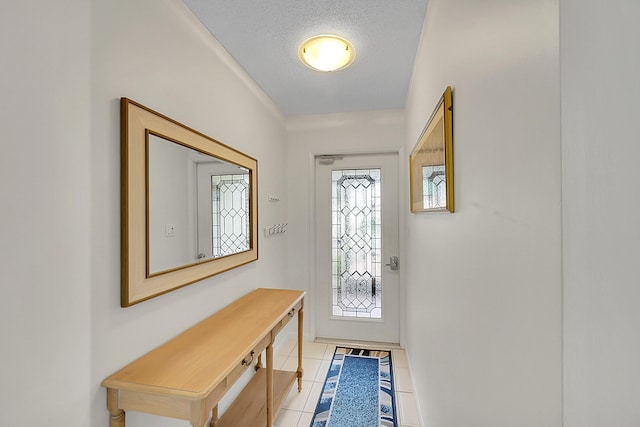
(403, 197)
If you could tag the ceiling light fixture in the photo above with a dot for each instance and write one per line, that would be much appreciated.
(326, 53)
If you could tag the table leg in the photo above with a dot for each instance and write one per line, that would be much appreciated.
(300, 326)
(269, 374)
(214, 417)
(117, 415)
(199, 414)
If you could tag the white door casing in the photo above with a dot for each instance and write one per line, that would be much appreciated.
(330, 322)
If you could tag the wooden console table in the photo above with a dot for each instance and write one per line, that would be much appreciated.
(186, 377)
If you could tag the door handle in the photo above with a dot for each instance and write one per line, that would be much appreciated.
(393, 263)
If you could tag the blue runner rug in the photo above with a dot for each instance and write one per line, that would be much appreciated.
(358, 390)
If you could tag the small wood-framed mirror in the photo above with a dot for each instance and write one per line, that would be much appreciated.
(189, 205)
(431, 162)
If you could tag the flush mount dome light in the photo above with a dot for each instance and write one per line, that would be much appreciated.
(326, 53)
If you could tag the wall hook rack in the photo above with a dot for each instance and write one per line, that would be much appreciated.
(275, 230)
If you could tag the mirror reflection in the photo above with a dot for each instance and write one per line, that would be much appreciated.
(198, 206)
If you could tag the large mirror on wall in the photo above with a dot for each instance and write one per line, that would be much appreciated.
(188, 205)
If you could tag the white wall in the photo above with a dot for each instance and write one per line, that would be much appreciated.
(45, 213)
(484, 283)
(342, 133)
(64, 69)
(158, 54)
(600, 64)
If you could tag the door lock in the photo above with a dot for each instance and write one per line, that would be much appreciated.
(393, 263)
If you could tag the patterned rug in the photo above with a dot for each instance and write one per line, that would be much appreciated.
(358, 390)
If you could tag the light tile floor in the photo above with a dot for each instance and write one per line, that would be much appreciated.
(297, 409)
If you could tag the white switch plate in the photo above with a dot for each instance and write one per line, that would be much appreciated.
(169, 230)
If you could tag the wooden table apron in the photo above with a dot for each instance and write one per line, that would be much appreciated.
(186, 377)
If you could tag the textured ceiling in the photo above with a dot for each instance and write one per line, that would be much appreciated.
(264, 35)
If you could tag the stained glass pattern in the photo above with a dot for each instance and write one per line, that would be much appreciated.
(356, 243)
(230, 214)
(434, 187)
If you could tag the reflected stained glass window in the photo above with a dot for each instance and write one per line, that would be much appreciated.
(356, 243)
(230, 214)
(434, 187)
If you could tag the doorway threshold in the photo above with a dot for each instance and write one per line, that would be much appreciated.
(358, 343)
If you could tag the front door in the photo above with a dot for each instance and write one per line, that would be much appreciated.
(357, 278)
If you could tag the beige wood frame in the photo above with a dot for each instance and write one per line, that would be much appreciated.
(186, 377)
(137, 122)
(434, 147)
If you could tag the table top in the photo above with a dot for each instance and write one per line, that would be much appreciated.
(193, 363)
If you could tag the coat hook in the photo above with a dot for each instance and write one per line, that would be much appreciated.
(275, 229)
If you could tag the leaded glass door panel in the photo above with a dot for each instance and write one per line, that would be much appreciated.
(356, 234)
(355, 243)
(223, 205)
(229, 214)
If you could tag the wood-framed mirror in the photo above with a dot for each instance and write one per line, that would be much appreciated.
(431, 162)
(188, 205)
